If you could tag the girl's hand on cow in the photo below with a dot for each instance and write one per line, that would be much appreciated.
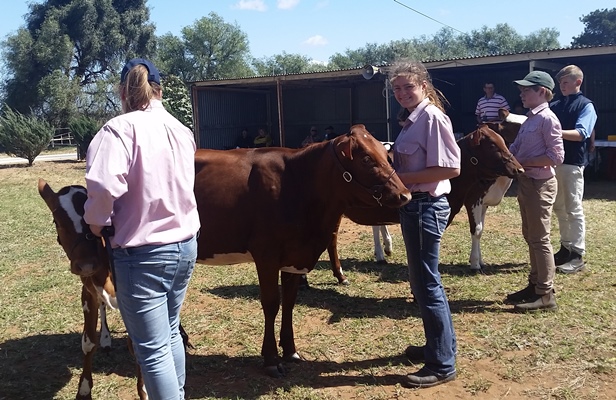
(96, 230)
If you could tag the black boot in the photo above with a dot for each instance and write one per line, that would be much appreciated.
(562, 256)
(521, 295)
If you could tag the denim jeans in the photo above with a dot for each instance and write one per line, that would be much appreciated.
(423, 222)
(151, 285)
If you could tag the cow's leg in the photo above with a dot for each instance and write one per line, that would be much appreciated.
(290, 283)
(104, 342)
(477, 216)
(270, 303)
(378, 248)
(141, 391)
(88, 342)
(332, 250)
(387, 242)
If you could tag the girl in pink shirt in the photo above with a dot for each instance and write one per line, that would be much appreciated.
(426, 156)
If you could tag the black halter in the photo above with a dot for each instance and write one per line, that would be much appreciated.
(376, 190)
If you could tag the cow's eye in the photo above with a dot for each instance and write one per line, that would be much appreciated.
(367, 160)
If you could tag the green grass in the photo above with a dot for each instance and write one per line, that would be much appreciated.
(351, 337)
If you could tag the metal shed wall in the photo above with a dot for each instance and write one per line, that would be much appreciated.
(221, 115)
(343, 98)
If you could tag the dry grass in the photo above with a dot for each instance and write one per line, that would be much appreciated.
(351, 337)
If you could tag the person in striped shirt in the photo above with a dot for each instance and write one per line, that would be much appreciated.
(488, 106)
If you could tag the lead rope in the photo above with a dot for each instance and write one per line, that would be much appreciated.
(107, 232)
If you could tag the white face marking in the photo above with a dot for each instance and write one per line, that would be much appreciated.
(66, 202)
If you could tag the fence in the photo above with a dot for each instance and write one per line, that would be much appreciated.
(62, 137)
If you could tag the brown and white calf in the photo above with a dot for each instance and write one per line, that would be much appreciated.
(88, 260)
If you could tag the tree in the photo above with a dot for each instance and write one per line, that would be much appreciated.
(209, 49)
(67, 44)
(445, 44)
(83, 130)
(285, 63)
(24, 136)
(177, 100)
(599, 29)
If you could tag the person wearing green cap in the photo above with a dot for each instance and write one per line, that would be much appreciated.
(539, 148)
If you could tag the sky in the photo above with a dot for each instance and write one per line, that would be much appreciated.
(319, 29)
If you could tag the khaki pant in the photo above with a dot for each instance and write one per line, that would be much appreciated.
(536, 198)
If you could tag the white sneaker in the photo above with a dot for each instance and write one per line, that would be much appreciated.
(571, 267)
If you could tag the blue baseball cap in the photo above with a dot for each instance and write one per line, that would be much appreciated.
(153, 74)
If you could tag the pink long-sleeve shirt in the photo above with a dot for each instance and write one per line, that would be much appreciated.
(140, 175)
(427, 140)
(539, 135)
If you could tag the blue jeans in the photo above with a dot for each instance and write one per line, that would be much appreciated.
(423, 222)
(151, 286)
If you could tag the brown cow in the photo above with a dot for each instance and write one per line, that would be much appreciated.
(484, 157)
(90, 262)
(280, 207)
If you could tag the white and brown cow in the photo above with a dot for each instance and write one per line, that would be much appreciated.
(279, 207)
(484, 158)
(88, 260)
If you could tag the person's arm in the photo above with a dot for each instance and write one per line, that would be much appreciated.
(591, 145)
(430, 174)
(583, 126)
(106, 168)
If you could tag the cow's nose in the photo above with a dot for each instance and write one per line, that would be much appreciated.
(83, 268)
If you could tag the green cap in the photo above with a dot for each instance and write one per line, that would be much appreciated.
(537, 78)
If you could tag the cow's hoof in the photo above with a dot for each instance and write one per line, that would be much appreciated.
(388, 252)
(381, 262)
(275, 371)
(344, 282)
(105, 349)
(294, 358)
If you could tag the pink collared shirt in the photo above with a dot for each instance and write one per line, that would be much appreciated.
(539, 135)
(426, 140)
(140, 174)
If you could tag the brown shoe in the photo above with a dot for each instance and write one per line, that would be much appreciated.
(521, 295)
(425, 378)
(541, 302)
(415, 353)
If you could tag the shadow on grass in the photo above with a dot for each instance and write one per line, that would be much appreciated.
(39, 366)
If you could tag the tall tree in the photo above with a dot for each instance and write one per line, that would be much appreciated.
(446, 44)
(209, 49)
(68, 43)
(599, 29)
(285, 63)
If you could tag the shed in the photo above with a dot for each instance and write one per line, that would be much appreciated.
(288, 105)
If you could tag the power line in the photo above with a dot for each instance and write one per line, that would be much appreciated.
(427, 16)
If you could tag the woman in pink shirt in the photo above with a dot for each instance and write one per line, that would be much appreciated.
(426, 156)
(140, 175)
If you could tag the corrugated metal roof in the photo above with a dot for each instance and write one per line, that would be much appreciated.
(441, 63)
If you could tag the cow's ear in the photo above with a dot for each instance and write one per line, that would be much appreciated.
(476, 137)
(47, 193)
(345, 146)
